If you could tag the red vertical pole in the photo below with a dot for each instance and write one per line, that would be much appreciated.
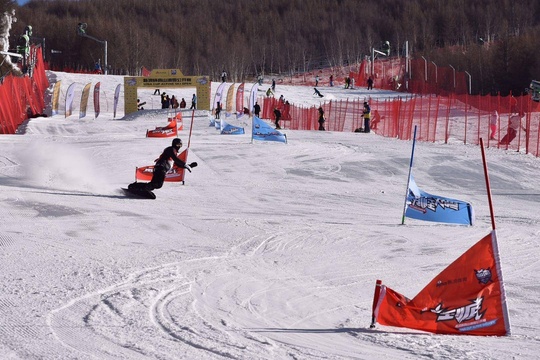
(191, 127)
(378, 285)
(488, 187)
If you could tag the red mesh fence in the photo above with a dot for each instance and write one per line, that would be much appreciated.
(445, 119)
(22, 97)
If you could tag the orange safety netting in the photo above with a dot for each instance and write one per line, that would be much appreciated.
(23, 97)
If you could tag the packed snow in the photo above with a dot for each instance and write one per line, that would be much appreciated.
(268, 251)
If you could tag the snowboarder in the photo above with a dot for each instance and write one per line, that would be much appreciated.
(317, 92)
(162, 166)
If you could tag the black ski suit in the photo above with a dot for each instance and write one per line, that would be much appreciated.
(162, 166)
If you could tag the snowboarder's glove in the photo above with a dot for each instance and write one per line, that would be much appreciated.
(193, 164)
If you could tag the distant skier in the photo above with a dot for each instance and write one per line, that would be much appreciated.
(162, 166)
(317, 92)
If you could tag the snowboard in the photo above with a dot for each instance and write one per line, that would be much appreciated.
(139, 194)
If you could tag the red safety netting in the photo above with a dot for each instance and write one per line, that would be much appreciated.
(23, 97)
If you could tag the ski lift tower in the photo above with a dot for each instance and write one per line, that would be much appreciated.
(385, 52)
(81, 31)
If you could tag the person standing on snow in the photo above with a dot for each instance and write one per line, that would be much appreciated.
(218, 110)
(194, 102)
(322, 119)
(162, 166)
(367, 117)
(257, 109)
(277, 114)
(493, 121)
(514, 125)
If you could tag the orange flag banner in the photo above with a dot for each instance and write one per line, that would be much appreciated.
(466, 298)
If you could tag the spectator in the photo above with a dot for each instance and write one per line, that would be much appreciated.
(317, 92)
(194, 102)
(347, 82)
(246, 111)
(277, 115)
(164, 100)
(174, 102)
(370, 83)
(316, 80)
(257, 109)
(287, 111)
(493, 122)
(183, 104)
(274, 85)
(352, 83)
(223, 76)
(97, 68)
(514, 125)
(332, 80)
(367, 117)
(218, 110)
(322, 119)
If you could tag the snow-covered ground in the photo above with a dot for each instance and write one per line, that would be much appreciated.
(269, 250)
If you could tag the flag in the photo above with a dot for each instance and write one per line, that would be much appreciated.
(70, 94)
(96, 98)
(116, 97)
(263, 131)
(423, 206)
(84, 100)
(56, 97)
(467, 297)
(145, 72)
(253, 96)
(176, 174)
(229, 101)
(219, 95)
(240, 99)
(228, 129)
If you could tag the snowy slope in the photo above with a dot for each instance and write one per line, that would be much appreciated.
(269, 251)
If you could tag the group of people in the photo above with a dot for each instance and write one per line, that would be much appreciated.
(171, 102)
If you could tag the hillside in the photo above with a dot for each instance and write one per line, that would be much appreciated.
(496, 41)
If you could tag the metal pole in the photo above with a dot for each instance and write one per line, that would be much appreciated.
(372, 61)
(106, 66)
(454, 70)
(407, 65)
(470, 82)
(425, 69)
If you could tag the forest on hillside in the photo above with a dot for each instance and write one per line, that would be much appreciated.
(496, 41)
